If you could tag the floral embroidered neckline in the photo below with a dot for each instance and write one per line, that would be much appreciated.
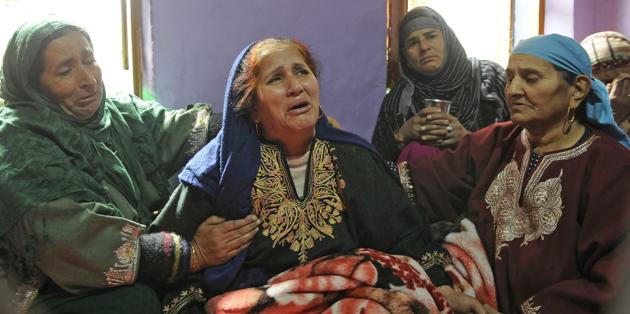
(541, 207)
(287, 219)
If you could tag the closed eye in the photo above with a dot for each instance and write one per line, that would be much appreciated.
(532, 78)
(273, 79)
(64, 72)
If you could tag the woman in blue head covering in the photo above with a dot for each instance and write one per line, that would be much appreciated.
(547, 191)
(316, 190)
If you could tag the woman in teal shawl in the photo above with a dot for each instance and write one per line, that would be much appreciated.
(81, 175)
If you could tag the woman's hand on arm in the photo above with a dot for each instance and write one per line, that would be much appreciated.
(216, 240)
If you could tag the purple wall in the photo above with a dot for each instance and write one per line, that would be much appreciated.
(580, 18)
(194, 43)
(593, 16)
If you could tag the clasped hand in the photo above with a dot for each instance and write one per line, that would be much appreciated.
(433, 127)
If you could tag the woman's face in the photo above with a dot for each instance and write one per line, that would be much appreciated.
(537, 95)
(71, 76)
(425, 51)
(287, 94)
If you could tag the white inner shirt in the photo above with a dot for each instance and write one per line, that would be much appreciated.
(297, 167)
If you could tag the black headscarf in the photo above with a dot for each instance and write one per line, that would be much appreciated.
(454, 81)
(474, 86)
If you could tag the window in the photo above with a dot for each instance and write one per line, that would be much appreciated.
(105, 21)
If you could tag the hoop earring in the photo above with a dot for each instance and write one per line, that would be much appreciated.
(570, 119)
(571, 115)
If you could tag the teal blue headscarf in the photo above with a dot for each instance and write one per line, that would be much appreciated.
(567, 54)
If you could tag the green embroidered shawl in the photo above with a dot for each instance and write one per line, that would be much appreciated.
(46, 154)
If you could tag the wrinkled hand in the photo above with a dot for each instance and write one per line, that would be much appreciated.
(216, 240)
(422, 126)
(619, 90)
(454, 132)
(431, 126)
(460, 302)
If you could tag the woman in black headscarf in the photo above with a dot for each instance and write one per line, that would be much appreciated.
(435, 66)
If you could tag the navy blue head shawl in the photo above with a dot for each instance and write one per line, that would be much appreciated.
(225, 169)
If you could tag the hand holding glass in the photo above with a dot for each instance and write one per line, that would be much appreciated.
(444, 105)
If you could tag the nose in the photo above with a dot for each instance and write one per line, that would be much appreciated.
(87, 79)
(513, 88)
(424, 45)
(294, 86)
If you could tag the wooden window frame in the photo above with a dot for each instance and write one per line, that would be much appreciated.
(135, 11)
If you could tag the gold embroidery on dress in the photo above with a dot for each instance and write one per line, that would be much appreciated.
(529, 307)
(542, 202)
(285, 218)
(185, 298)
(430, 259)
(123, 272)
(405, 180)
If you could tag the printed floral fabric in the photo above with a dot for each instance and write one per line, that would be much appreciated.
(363, 281)
(370, 281)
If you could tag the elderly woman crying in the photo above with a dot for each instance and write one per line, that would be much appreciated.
(326, 202)
(81, 174)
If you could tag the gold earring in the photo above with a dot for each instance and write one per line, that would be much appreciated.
(570, 115)
(570, 119)
(257, 129)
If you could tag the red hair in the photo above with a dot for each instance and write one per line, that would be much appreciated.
(246, 82)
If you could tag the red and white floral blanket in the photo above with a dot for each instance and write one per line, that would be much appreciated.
(366, 281)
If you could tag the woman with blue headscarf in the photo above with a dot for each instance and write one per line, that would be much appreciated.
(322, 196)
(547, 191)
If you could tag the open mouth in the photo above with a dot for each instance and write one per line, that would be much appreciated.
(298, 106)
